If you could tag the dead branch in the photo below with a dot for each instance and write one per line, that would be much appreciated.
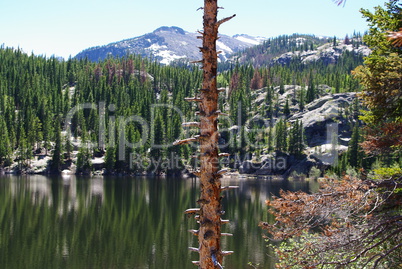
(226, 234)
(226, 253)
(229, 187)
(194, 232)
(349, 221)
(192, 211)
(185, 141)
(225, 20)
(193, 99)
(190, 124)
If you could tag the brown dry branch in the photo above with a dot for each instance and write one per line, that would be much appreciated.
(396, 38)
(348, 223)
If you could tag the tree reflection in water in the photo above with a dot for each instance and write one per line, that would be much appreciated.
(124, 222)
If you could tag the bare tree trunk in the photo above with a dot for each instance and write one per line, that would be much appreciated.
(210, 185)
(209, 233)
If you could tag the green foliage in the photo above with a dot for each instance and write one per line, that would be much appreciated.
(381, 21)
(57, 160)
(5, 145)
(281, 134)
(388, 172)
(288, 252)
(296, 139)
(381, 77)
(84, 164)
(314, 173)
(35, 91)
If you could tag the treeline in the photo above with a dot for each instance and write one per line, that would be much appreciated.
(265, 53)
(131, 107)
(40, 97)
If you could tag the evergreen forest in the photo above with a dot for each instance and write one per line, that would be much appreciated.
(335, 118)
(122, 115)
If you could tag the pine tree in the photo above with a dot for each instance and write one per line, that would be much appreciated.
(110, 159)
(281, 88)
(268, 138)
(353, 152)
(302, 99)
(296, 139)
(311, 92)
(84, 164)
(286, 109)
(68, 146)
(5, 146)
(281, 136)
(57, 159)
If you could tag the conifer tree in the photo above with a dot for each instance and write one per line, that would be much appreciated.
(286, 109)
(353, 152)
(296, 141)
(302, 99)
(311, 92)
(281, 136)
(57, 159)
(5, 146)
(84, 164)
(110, 159)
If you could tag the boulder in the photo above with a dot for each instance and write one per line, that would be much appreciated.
(322, 116)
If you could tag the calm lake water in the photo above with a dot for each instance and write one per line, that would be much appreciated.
(123, 222)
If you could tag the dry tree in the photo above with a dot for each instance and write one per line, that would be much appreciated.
(348, 223)
(209, 213)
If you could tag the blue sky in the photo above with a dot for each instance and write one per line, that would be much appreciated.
(65, 27)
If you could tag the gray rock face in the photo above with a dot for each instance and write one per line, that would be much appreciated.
(327, 131)
(327, 53)
(319, 114)
(167, 44)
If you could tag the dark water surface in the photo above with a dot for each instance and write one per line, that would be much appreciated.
(123, 222)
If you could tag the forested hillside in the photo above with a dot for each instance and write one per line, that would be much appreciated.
(83, 115)
(37, 95)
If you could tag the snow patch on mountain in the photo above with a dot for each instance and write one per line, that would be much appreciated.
(222, 46)
(169, 44)
(250, 39)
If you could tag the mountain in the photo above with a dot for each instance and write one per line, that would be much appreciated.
(168, 44)
(302, 48)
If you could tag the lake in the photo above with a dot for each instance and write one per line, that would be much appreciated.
(125, 222)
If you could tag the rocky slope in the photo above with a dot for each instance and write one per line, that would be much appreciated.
(327, 130)
(305, 48)
(168, 44)
(328, 53)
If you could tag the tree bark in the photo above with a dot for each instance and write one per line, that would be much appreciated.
(210, 211)
(209, 234)
(210, 186)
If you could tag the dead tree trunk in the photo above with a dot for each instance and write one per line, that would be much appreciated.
(210, 211)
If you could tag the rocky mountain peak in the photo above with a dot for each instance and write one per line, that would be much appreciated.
(168, 44)
(170, 29)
